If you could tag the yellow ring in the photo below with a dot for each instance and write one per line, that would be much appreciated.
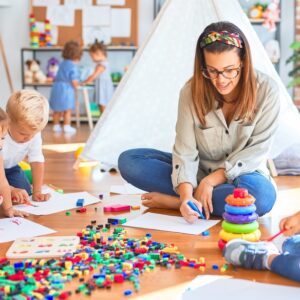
(250, 237)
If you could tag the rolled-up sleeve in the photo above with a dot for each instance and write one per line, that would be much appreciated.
(256, 151)
(35, 152)
(185, 154)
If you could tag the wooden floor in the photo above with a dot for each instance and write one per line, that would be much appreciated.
(59, 152)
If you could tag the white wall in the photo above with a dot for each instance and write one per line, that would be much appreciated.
(14, 29)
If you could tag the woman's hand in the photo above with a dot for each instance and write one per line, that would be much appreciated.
(203, 194)
(291, 224)
(190, 215)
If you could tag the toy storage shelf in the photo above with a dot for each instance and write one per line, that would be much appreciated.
(35, 51)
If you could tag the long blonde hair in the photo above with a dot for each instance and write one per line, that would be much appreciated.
(204, 93)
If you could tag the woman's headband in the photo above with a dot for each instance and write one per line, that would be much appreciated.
(224, 37)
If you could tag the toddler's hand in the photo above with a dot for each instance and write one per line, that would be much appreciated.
(40, 197)
(11, 212)
(190, 215)
(19, 196)
(291, 224)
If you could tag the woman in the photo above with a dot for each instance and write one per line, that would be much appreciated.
(227, 115)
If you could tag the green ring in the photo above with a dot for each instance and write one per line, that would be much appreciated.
(240, 228)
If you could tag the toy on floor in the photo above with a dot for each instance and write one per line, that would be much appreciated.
(99, 262)
(34, 74)
(240, 219)
(116, 208)
(41, 247)
(27, 170)
(78, 151)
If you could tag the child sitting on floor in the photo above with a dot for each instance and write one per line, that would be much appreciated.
(264, 255)
(103, 83)
(5, 198)
(28, 114)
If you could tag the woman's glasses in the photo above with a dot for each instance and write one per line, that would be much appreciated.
(228, 73)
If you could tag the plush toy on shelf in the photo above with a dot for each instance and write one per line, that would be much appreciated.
(52, 68)
(34, 74)
(271, 15)
(256, 11)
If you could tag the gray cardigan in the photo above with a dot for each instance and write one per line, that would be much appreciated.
(240, 148)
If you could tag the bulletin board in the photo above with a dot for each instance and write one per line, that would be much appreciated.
(66, 33)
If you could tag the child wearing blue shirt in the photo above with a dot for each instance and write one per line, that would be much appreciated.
(103, 83)
(62, 97)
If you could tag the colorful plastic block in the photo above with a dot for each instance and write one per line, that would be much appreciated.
(80, 202)
(116, 208)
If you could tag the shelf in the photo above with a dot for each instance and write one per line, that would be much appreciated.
(259, 21)
(51, 84)
(109, 48)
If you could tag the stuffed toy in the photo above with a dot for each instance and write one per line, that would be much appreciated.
(271, 15)
(34, 73)
(52, 68)
(256, 11)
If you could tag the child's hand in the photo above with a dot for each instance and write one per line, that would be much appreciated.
(40, 197)
(19, 196)
(190, 215)
(11, 212)
(291, 224)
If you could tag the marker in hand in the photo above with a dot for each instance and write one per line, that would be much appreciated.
(194, 207)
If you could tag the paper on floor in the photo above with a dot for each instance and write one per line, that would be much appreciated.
(227, 288)
(126, 189)
(170, 223)
(57, 203)
(14, 228)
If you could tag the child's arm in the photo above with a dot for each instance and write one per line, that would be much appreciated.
(291, 224)
(37, 169)
(8, 209)
(98, 70)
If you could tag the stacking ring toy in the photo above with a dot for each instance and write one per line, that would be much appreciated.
(250, 237)
(240, 228)
(240, 219)
(248, 200)
(221, 244)
(240, 210)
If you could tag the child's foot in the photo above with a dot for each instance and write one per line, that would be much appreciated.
(57, 128)
(69, 129)
(158, 200)
(248, 254)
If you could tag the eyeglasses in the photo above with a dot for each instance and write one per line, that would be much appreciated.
(228, 73)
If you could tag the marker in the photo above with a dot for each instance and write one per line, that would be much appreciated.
(194, 207)
(270, 239)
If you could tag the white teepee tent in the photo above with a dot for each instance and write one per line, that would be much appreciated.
(143, 110)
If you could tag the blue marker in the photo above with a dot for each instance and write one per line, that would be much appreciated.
(194, 207)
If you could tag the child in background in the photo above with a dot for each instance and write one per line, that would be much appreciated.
(5, 196)
(264, 255)
(62, 97)
(28, 113)
(104, 86)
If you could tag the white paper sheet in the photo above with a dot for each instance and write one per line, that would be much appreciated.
(78, 4)
(61, 15)
(96, 16)
(90, 33)
(226, 288)
(170, 223)
(110, 2)
(120, 22)
(126, 189)
(45, 2)
(14, 228)
(58, 202)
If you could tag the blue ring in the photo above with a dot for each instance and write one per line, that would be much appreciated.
(240, 210)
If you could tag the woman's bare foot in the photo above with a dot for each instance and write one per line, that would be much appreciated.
(159, 200)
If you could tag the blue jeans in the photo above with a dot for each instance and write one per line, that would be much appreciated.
(17, 178)
(150, 170)
(287, 264)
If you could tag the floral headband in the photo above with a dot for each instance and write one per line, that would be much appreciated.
(224, 37)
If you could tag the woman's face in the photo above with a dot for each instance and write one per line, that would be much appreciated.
(227, 62)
